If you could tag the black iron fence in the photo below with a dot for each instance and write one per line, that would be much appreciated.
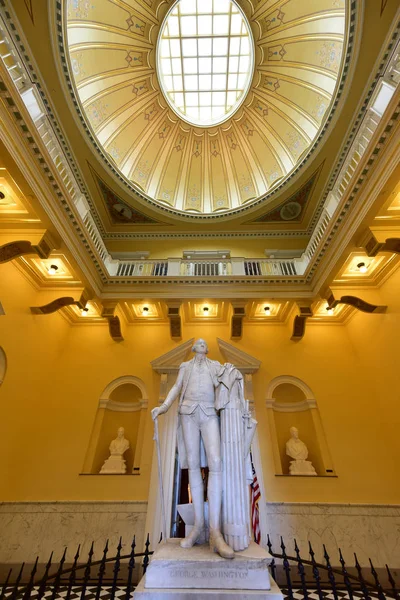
(297, 576)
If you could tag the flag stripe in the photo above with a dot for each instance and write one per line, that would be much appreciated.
(255, 513)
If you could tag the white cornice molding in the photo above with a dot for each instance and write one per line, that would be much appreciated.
(170, 361)
(125, 379)
(290, 407)
(290, 379)
(122, 406)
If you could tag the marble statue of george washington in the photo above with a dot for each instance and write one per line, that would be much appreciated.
(213, 417)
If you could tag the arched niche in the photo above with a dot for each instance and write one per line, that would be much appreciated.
(3, 365)
(291, 403)
(123, 403)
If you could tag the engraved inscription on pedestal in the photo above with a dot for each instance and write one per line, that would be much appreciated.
(173, 567)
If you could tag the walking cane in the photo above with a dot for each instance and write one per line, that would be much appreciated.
(160, 479)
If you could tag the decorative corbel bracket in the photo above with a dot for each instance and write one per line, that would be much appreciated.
(175, 321)
(18, 248)
(355, 302)
(114, 323)
(373, 247)
(239, 313)
(299, 323)
(55, 305)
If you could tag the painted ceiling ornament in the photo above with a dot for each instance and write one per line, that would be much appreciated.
(203, 70)
(293, 208)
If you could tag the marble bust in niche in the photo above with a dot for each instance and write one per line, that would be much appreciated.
(298, 451)
(115, 463)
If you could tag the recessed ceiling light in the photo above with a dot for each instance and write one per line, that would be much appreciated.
(362, 267)
(52, 270)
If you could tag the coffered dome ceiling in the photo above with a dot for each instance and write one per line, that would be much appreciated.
(299, 51)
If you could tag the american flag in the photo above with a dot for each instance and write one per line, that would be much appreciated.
(255, 497)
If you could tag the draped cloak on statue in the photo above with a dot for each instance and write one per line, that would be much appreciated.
(237, 430)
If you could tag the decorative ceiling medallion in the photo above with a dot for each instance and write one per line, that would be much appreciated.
(118, 210)
(292, 209)
(301, 50)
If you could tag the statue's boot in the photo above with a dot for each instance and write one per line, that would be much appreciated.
(217, 542)
(197, 491)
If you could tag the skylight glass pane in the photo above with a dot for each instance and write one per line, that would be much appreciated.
(219, 64)
(204, 25)
(177, 82)
(205, 47)
(205, 113)
(218, 82)
(190, 65)
(176, 64)
(220, 46)
(175, 47)
(187, 7)
(189, 47)
(205, 6)
(231, 98)
(166, 66)
(173, 26)
(204, 82)
(205, 98)
(221, 25)
(191, 82)
(234, 64)
(192, 99)
(244, 64)
(204, 70)
(235, 46)
(236, 24)
(245, 47)
(205, 65)
(222, 6)
(165, 48)
(188, 26)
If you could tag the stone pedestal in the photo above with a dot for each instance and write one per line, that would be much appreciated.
(114, 464)
(301, 467)
(198, 573)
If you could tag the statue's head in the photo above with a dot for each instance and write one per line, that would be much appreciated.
(121, 432)
(294, 432)
(200, 347)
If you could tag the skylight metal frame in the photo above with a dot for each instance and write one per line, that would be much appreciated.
(201, 96)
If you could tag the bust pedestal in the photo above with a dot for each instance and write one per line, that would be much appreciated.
(301, 467)
(198, 573)
(114, 464)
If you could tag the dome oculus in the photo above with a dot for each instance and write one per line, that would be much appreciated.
(205, 58)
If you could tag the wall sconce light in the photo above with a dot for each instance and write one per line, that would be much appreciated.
(267, 311)
(329, 310)
(145, 310)
(84, 311)
(52, 270)
(2, 196)
(205, 309)
(362, 267)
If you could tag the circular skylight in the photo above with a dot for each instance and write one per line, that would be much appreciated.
(205, 58)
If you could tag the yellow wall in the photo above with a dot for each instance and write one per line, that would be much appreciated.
(57, 372)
